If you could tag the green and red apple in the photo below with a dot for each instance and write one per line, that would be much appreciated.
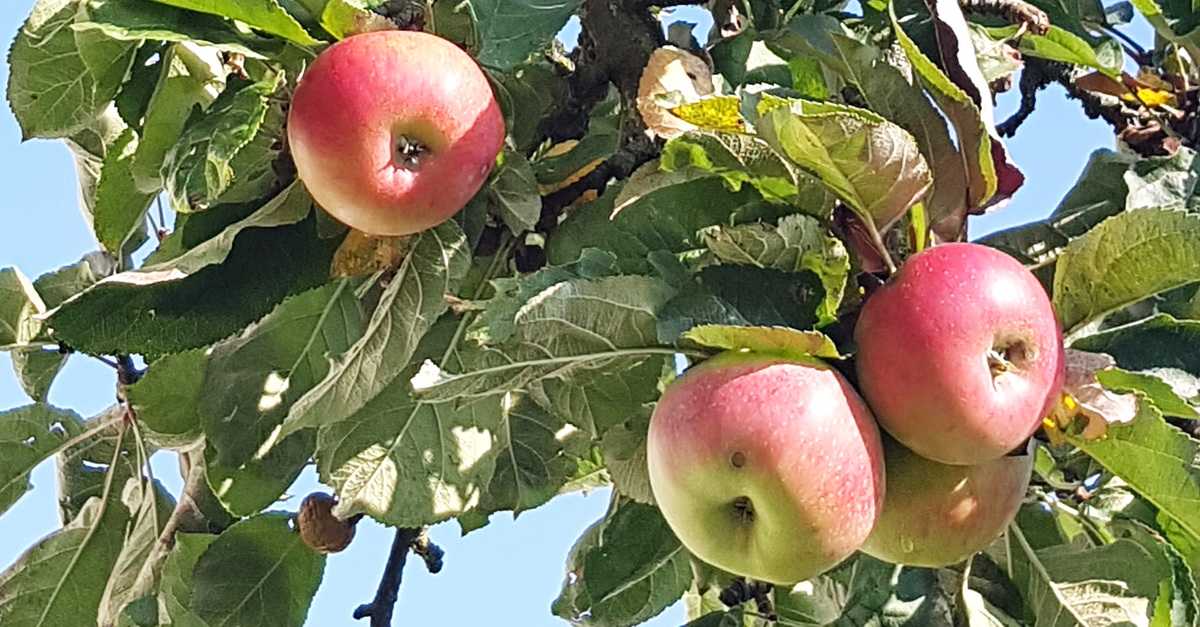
(767, 468)
(393, 132)
(960, 356)
(936, 514)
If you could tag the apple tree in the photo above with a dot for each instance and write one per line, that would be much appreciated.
(658, 199)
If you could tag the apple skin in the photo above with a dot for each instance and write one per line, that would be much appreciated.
(792, 440)
(935, 514)
(367, 94)
(923, 342)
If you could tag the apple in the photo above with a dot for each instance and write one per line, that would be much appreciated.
(393, 132)
(959, 354)
(937, 514)
(764, 467)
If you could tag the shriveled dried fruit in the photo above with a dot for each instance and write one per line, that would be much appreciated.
(319, 528)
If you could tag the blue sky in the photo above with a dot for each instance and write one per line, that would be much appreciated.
(507, 573)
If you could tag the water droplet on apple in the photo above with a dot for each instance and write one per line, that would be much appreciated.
(738, 459)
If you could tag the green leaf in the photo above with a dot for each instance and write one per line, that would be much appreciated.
(175, 589)
(528, 93)
(168, 397)
(605, 401)
(1162, 181)
(669, 218)
(59, 80)
(510, 31)
(265, 15)
(1070, 584)
(531, 463)
(514, 191)
(198, 170)
(56, 582)
(28, 435)
(36, 369)
(135, 574)
(67, 281)
(873, 165)
(83, 469)
(1158, 461)
(255, 377)
(434, 265)
(624, 450)
(409, 463)
(138, 20)
(252, 381)
(168, 311)
(571, 329)
(798, 244)
(625, 569)
(887, 92)
(1157, 391)
(763, 296)
(192, 75)
(258, 572)
(554, 168)
(290, 206)
(1125, 259)
(1057, 45)
(772, 340)
(973, 140)
(19, 304)
(250, 488)
(741, 158)
(119, 207)
(1159, 341)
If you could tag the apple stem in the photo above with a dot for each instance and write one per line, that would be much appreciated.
(998, 364)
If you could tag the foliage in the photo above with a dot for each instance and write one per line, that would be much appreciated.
(515, 352)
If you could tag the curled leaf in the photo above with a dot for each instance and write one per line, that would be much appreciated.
(1084, 395)
(672, 77)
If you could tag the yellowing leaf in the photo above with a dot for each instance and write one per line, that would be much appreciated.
(764, 340)
(363, 253)
(1150, 97)
(719, 113)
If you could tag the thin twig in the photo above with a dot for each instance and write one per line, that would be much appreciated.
(380, 609)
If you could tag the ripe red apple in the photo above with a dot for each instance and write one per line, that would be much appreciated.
(766, 468)
(394, 131)
(959, 354)
(936, 514)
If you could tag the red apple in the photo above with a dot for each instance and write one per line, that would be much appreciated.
(936, 514)
(394, 131)
(959, 354)
(766, 468)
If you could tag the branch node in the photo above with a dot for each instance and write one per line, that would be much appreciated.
(381, 607)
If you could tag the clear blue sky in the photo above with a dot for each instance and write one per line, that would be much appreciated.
(507, 573)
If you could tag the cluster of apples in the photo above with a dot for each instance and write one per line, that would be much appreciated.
(767, 467)
(775, 468)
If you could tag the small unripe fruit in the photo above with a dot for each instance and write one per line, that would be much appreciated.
(319, 528)
(766, 468)
(959, 354)
(936, 514)
(393, 132)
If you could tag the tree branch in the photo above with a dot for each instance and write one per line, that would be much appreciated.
(380, 609)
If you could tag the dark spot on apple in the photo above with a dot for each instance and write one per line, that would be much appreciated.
(743, 510)
(738, 459)
(408, 152)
